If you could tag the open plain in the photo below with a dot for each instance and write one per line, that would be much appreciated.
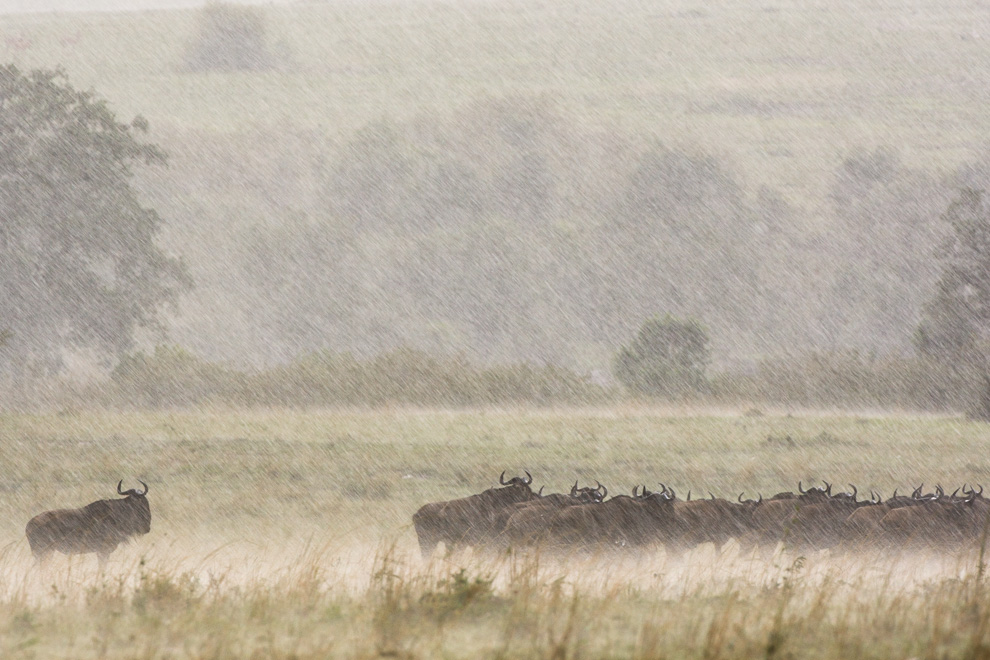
(286, 534)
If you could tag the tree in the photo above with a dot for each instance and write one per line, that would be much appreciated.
(955, 327)
(230, 38)
(667, 358)
(79, 267)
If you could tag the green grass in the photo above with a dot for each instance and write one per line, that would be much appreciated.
(286, 534)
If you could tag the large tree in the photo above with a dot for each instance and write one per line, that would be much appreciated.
(955, 329)
(79, 265)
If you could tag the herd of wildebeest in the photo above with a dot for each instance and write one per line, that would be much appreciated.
(514, 516)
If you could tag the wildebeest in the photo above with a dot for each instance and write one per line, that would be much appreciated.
(936, 522)
(527, 522)
(714, 520)
(97, 527)
(622, 521)
(469, 521)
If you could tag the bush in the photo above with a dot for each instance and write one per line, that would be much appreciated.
(667, 358)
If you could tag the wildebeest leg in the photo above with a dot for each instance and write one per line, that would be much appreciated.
(42, 557)
(102, 556)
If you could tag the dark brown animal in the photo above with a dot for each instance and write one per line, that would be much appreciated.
(714, 520)
(97, 527)
(771, 521)
(622, 521)
(525, 522)
(469, 521)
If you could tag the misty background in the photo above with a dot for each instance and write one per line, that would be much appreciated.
(527, 182)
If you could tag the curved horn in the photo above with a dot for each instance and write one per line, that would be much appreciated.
(760, 501)
(501, 478)
(828, 488)
(894, 495)
(954, 492)
(710, 494)
(145, 488)
(917, 491)
(800, 490)
(673, 495)
(529, 478)
(604, 491)
(540, 492)
(574, 489)
(119, 484)
(635, 488)
(854, 491)
(689, 495)
(939, 492)
(663, 487)
(740, 498)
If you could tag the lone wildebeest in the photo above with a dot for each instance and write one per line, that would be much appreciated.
(98, 527)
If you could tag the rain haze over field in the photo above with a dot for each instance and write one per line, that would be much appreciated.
(301, 267)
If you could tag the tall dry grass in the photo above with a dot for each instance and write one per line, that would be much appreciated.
(321, 601)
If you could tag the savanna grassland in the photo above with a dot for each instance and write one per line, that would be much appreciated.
(286, 534)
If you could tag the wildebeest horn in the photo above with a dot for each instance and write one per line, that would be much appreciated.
(800, 490)
(875, 498)
(894, 495)
(574, 489)
(602, 489)
(673, 495)
(529, 478)
(145, 488)
(119, 484)
(981, 490)
(939, 492)
(740, 498)
(854, 491)
(917, 491)
(501, 478)
(689, 495)
(828, 487)
(540, 493)
(710, 493)
(954, 492)
(663, 487)
(635, 488)
(760, 500)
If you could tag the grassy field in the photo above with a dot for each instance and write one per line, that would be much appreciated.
(287, 534)
(784, 89)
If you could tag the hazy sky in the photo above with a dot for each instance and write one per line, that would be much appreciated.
(18, 6)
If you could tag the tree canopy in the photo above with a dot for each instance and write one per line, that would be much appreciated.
(79, 265)
(667, 358)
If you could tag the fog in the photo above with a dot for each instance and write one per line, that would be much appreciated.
(521, 183)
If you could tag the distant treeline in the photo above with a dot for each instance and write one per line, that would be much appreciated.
(510, 233)
(172, 377)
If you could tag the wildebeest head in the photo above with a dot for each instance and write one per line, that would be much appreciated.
(135, 514)
(516, 481)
